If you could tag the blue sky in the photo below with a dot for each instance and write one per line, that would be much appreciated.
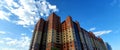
(18, 17)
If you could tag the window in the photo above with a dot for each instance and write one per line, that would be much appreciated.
(57, 38)
(58, 46)
(71, 45)
(64, 43)
(58, 34)
(64, 46)
(67, 49)
(58, 41)
(49, 40)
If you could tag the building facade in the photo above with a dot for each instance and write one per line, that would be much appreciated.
(108, 46)
(51, 34)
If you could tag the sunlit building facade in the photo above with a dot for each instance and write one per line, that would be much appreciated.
(52, 34)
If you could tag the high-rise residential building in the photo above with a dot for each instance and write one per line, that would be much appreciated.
(52, 34)
(108, 46)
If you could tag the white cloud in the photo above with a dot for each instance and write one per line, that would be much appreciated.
(7, 38)
(52, 7)
(32, 31)
(22, 43)
(8, 49)
(28, 11)
(46, 8)
(92, 29)
(4, 15)
(1, 42)
(11, 3)
(2, 32)
(98, 33)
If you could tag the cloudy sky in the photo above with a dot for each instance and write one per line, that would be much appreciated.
(18, 17)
